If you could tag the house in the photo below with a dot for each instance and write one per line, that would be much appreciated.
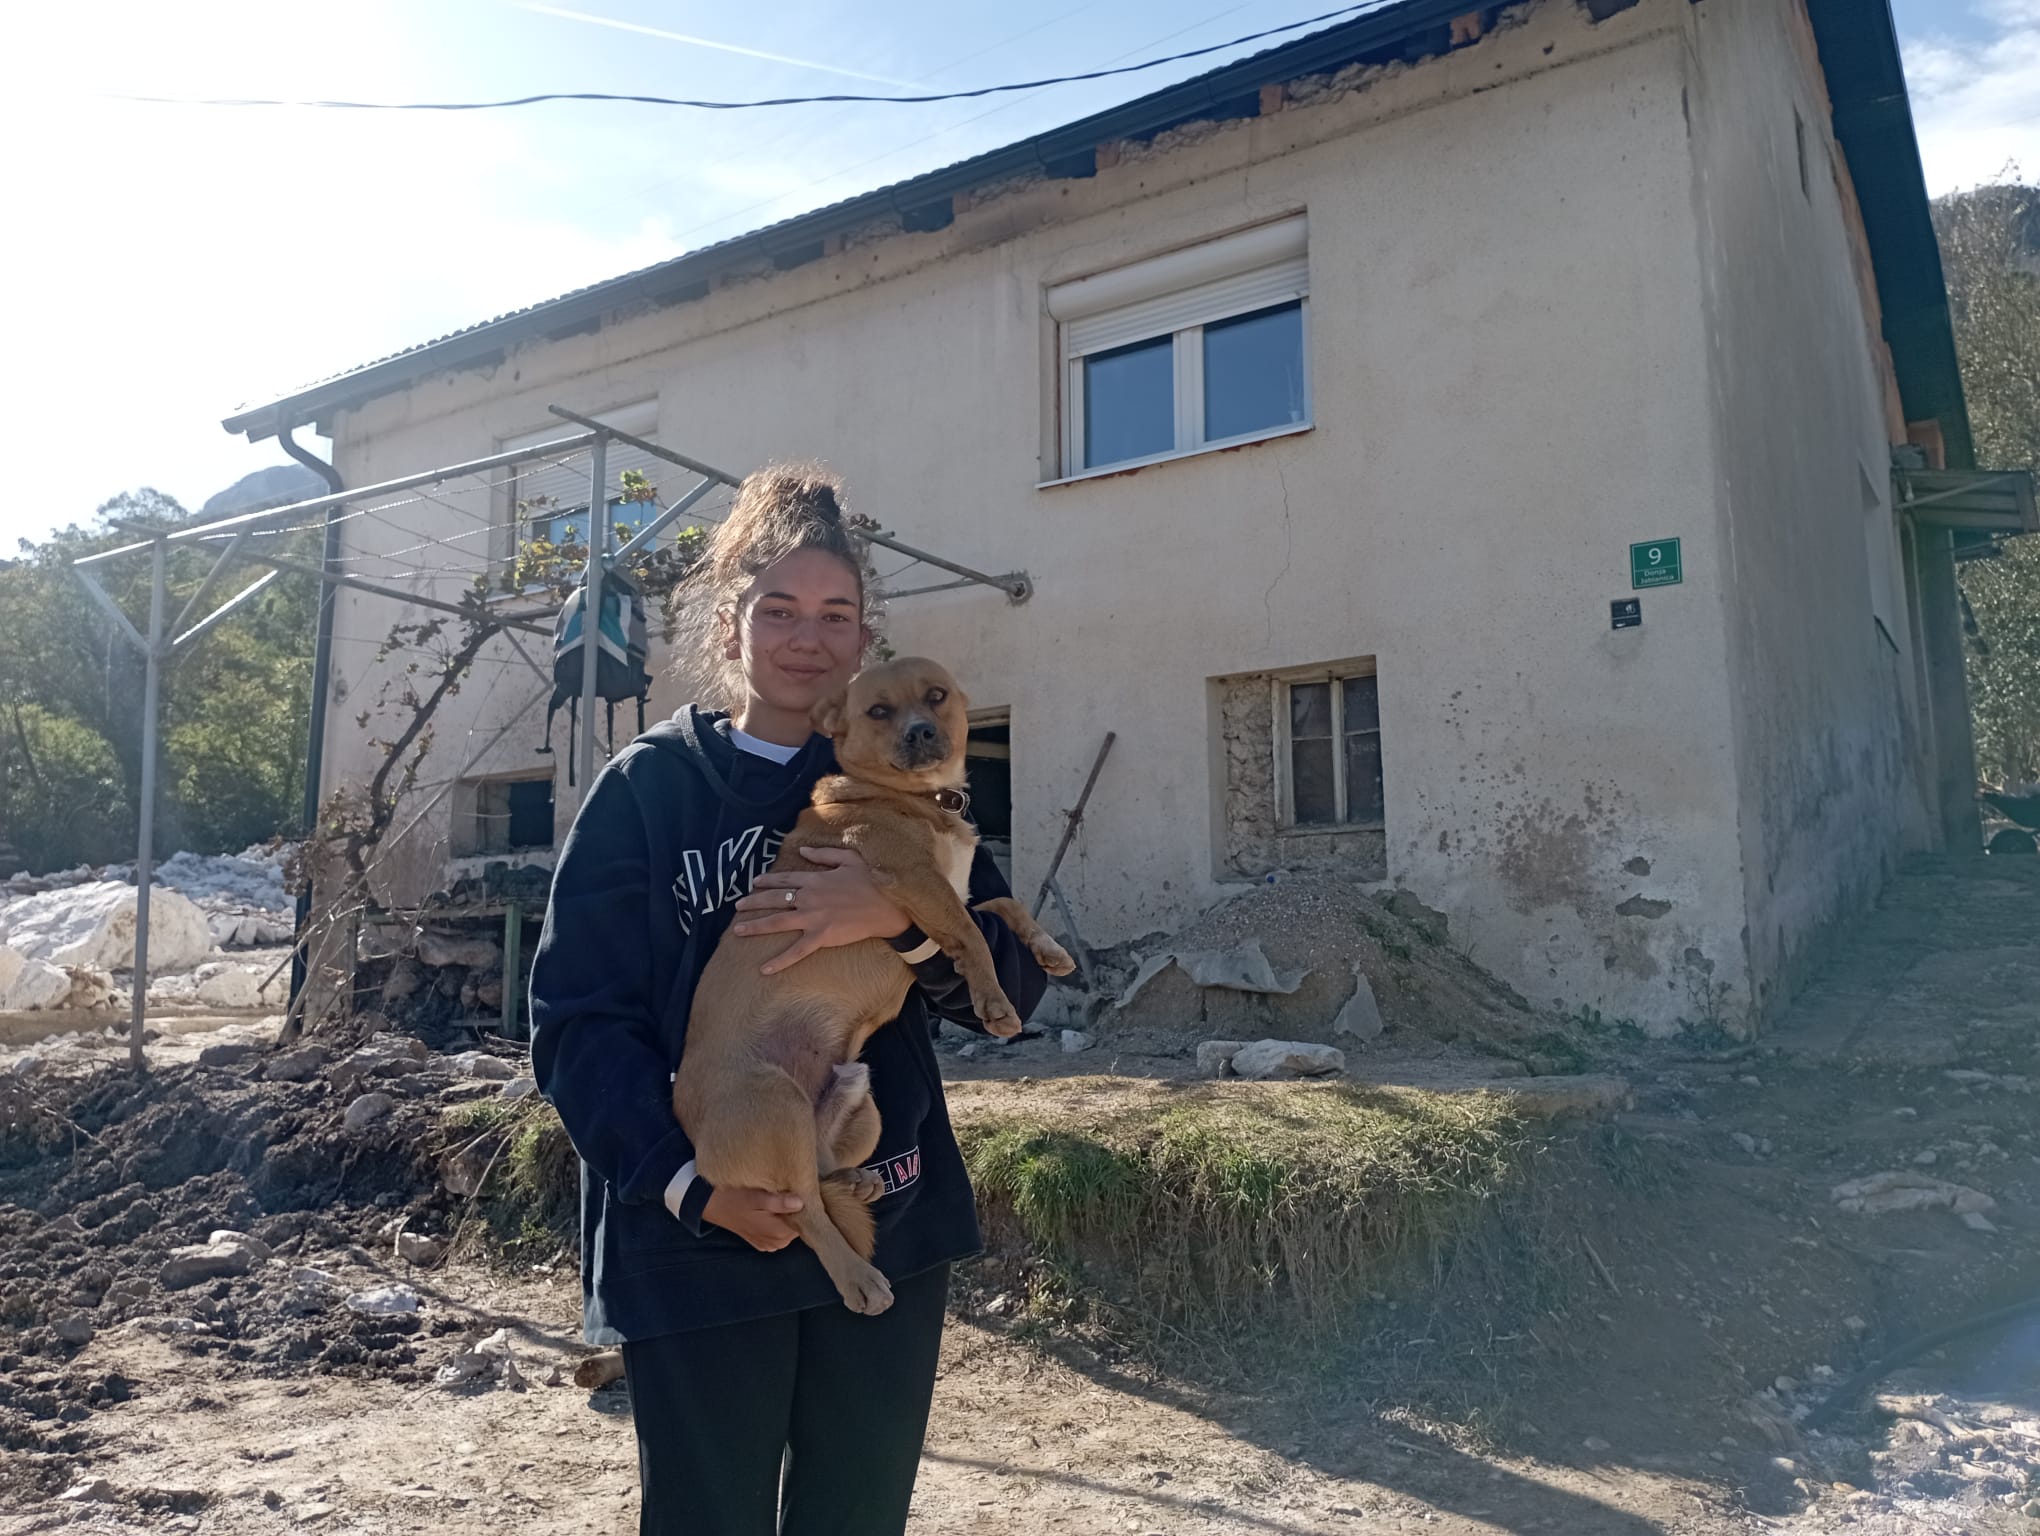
(1516, 454)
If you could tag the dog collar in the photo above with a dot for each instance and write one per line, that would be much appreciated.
(954, 801)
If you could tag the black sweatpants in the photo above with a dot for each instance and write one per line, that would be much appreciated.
(844, 1398)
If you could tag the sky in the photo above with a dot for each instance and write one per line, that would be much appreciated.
(168, 263)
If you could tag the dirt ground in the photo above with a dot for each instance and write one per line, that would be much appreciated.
(1729, 1297)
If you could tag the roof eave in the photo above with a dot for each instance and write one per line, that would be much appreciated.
(1154, 113)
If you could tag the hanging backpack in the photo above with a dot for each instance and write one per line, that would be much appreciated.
(624, 644)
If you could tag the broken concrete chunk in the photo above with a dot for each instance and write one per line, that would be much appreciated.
(518, 1088)
(197, 1262)
(226, 1053)
(1266, 1059)
(416, 1248)
(1214, 1057)
(384, 1301)
(1879, 1194)
(73, 1330)
(442, 949)
(96, 1491)
(1361, 1017)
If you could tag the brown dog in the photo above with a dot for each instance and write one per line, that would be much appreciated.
(770, 1090)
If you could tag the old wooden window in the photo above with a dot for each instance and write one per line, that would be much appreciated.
(1332, 751)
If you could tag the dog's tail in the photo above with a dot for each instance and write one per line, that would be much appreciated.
(851, 1216)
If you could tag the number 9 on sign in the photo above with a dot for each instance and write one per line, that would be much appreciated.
(1655, 564)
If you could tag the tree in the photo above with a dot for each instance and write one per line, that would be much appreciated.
(1990, 250)
(234, 705)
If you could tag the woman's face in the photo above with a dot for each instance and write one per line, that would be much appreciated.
(798, 631)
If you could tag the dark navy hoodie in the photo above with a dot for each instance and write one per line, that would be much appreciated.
(672, 834)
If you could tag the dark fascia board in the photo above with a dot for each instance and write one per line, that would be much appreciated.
(1874, 125)
(1059, 151)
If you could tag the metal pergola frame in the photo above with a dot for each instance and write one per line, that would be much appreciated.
(235, 533)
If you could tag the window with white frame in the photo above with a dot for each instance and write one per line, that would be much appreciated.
(1330, 748)
(1200, 348)
(548, 500)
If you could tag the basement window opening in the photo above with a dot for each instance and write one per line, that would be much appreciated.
(503, 815)
(1199, 349)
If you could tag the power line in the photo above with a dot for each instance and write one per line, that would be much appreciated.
(744, 106)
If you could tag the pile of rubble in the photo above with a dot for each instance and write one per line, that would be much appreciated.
(218, 928)
(1303, 970)
(271, 1211)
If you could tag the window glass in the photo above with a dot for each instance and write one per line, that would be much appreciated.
(1253, 372)
(1130, 402)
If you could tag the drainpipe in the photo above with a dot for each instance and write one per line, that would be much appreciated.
(322, 679)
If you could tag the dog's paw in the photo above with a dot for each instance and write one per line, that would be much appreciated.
(1052, 957)
(868, 1293)
(997, 1014)
(864, 1183)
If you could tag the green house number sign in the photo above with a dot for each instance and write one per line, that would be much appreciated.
(1655, 564)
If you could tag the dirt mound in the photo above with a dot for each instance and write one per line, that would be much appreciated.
(1319, 935)
(231, 1215)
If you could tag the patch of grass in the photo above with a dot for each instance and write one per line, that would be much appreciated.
(1213, 1204)
(530, 1194)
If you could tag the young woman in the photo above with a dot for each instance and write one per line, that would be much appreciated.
(739, 1354)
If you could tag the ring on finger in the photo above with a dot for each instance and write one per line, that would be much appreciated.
(790, 897)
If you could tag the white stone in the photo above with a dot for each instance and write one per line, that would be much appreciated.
(416, 1248)
(1266, 1059)
(229, 986)
(190, 1265)
(1976, 1221)
(262, 1251)
(384, 1300)
(97, 1491)
(481, 1064)
(1075, 1041)
(518, 1088)
(28, 984)
(366, 1110)
(1214, 1057)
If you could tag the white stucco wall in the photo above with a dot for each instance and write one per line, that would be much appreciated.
(1830, 750)
(1514, 377)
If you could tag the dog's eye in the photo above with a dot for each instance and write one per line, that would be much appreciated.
(937, 695)
(880, 711)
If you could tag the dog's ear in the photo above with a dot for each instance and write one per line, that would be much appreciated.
(828, 717)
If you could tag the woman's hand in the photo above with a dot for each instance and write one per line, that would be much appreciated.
(831, 907)
(761, 1217)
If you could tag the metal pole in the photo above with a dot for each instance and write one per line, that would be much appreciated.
(1076, 818)
(1014, 584)
(591, 603)
(145, 844)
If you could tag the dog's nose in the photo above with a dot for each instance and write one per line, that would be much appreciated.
(921, 734)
